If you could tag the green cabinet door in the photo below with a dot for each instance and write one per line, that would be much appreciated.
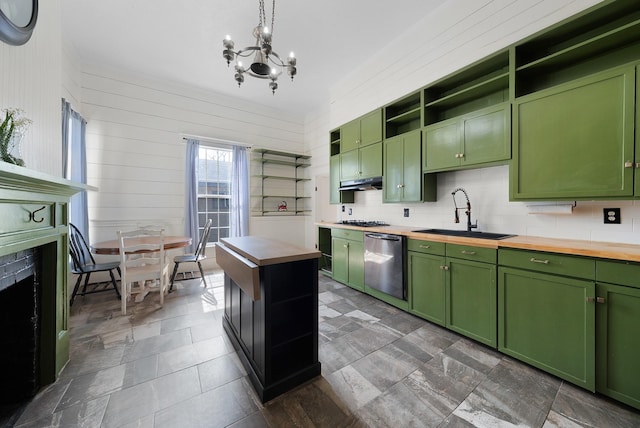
(471, 299)
(486, 136)
(361, 132)
(477, 138)
(427, 286)
(371, 128)
(618, 342)
(370, 161)
(349, 165)
(340, 259)
(574, 140)
(347, 257)
(393, 178)
(402, 170)
(548, 321)
(350, 136)
(441, 145)
(356, 265)
(335, 195)
(637, 142)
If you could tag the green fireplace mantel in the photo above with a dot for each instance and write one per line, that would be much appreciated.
(34, 213)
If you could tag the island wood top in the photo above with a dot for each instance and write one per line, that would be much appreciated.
(265, 251)
(605, 250)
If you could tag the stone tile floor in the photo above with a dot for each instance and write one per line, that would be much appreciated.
(174, 367)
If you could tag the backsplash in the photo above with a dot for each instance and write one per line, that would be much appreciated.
(488, 190)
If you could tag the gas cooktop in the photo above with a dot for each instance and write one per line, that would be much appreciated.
(364, 223)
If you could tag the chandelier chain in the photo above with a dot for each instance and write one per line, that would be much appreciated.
(261, 15)
(273, 15)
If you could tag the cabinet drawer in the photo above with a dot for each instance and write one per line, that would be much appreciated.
(427, 247)
(560, 264)
(618, 272)
(25, 217)
(354, 235)
(469, 252)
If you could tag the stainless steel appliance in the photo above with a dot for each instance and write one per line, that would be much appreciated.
(384, 267)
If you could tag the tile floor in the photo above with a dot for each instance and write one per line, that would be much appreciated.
(175, 367)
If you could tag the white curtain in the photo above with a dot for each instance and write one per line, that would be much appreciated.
(239, 222)
(191, 192)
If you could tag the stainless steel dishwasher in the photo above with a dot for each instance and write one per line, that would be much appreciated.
(384, 268)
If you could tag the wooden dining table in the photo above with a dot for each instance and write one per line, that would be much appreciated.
(112, 246)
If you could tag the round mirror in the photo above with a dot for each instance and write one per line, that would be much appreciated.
(17, 20)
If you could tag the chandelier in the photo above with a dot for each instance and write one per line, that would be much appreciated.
(266, 64)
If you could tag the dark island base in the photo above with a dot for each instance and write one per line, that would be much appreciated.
(271, 391)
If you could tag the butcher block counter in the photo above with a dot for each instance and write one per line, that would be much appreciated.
(604, 250)
(271, 310)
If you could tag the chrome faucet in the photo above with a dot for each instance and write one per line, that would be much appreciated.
(467, 212)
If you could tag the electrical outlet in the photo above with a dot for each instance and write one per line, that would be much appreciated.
(343, 208)
(406, 212)
(611, 215)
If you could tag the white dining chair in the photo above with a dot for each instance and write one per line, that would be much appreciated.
(142, 260)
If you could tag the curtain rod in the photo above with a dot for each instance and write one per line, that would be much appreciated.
(215, 141)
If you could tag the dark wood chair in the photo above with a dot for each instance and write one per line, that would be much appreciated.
(83, 264)
(197, 257)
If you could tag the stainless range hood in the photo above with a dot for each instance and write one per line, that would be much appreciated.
(373, 183)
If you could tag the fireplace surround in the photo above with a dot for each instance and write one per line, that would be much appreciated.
(33, 277)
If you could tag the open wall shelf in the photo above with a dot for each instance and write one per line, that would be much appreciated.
(279, 185)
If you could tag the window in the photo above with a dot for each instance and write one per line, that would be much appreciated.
(214, 190)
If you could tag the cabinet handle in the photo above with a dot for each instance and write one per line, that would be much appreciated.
(591, 299)
(628, 164)
(534, 260)
(470, 253)
(601, 300)
(357, 141)
(425, 246)
(346, 245)
(638, 165)
(444, 267)
(461, 155)
(400, 186)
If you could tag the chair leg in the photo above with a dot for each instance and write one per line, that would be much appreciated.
(202, 274)
(124, 295)
(75, 289)
(86, 282)
(113, 281)
(173, 276)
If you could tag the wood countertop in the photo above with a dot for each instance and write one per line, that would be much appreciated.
(606, 250)
(265, 251)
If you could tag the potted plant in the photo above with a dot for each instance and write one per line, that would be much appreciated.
(12, 129)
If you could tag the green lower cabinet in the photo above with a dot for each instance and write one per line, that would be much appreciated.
(471, 299)
(427, 286)
(548, 321)
(347, 258)
(617, 338)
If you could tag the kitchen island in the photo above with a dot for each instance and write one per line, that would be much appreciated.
(271, 310)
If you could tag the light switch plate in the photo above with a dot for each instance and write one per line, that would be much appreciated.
(406, 212)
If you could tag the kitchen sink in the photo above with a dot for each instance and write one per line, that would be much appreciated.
(466, 234)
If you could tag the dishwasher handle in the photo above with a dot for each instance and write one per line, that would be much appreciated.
(383, 236)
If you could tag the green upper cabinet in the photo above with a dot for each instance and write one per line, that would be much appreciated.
(362, 131)
(481, 137)
(365, 162)
(335, 195)
(402, 170)
(576, 140)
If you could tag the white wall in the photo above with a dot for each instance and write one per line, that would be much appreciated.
(30, 79)
(136, 151)
(459, 33)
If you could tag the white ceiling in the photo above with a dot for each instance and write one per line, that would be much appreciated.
(181, 40)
